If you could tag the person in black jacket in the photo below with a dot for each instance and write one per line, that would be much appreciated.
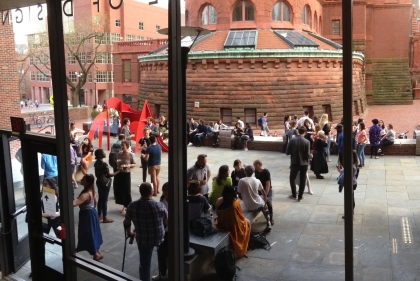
(319, 162)
(247, 135)
(300, 154)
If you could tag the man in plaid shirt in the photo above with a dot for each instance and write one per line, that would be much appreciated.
(149, 218)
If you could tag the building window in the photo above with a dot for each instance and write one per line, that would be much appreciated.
(103, 58)
(71, 59)
(336, 27)
(281, 12)
(356, 107)
(226, 115)
(97, 20)
(72, 76)
(31, 60)
(243, 11)
(141, 25)
(250, 116)
(32, 76)
(130, 37)
(327, 110)
(115, 37)
(157, 28)
(140, 38)
(157, 110)
(104, 76)
(127, 70)
(42, 76)
(118, 22)
(127, 98)
(306, 15)
(209, 15)
(361, 105)
(315, 26)
(310, 109)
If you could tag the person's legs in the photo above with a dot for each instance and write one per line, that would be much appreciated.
(386, 142)
(152, 172)
(375, 150)
(144, 167)
(270, 207)
(157, 179)
(371, 150)
(294, 170)
(163, 255)
(215, 138)
(101, 209)
(145, 261)
(327, 149)
(303, 170)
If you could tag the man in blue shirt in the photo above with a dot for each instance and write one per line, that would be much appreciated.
(153, 156)
(49, 165)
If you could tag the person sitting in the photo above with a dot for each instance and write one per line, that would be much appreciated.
(201, 133)
(219, 183)
(237, 173)
(247, 136)
(217, 127)
(237, 134)
(230, 218)
(248, 188)
(387, 139)
(198, 204)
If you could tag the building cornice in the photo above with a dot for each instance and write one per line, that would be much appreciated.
(252, 54)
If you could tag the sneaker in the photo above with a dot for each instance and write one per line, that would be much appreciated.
(300, 200)
(272, 222)
(246, 149)
(379, 150)
(268, 228)
(190, 144)
(310, 192)
(159, 277)
(291, 197)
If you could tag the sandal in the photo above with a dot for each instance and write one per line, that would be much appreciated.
(96, 258)
(106, 220)
(123, 210)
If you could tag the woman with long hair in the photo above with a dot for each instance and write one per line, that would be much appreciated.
(219, 183)
(381, 125)
(286, 123)
(323, 123)
(125, 161)
(89, 231)
(361, 143)
(86, 150)
(387, 139)
(53, 221)
(237, 173)
(247, 135)
(230, 218)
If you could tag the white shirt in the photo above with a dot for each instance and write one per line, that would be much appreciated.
(241, 123)
(248, 188)
(301, 121)
(196, 173)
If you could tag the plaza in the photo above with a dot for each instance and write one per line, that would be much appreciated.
(308, 237)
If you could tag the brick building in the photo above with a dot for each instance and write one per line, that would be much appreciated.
(131, 21)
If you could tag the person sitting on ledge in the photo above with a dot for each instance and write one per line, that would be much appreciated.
(198, 204)
(387, 139)
(201, 133)
(230, 218)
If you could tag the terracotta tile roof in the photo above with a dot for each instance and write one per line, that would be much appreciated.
(322, 45)
(268, 40)
(216, 42)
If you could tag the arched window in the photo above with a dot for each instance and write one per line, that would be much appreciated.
(315, 26)
(243, 11)
(281, 12)
(208, 15)
(306, 15)
(320, 25)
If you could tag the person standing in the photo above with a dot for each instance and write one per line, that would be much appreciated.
(154, 130)
(103, 182)
(125, 162)
(241, 123)
(374, 138)
(149, 218)
(86, 150)
(340, 142)
(319, 163)
(49, 164)
(163, 248)
(361, 143)
(262, 122)
(89, 232)
(302, 119)
(324, 126)
(200, 172)
(153, 156)
(299, 151)
(95, 112)
(264, 176)
(144, 144)
(248, 191)
(126, 131)
(116, 148)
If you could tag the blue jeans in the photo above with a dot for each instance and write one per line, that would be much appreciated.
(146, 252)
(103, 201)
(198, 140)
(327, 149)
(361, 153)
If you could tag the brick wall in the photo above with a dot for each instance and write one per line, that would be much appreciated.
(278, 86)
(9, 88)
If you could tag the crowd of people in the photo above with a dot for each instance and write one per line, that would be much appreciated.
(307, 141)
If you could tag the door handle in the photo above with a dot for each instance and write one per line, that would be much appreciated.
(18, 212)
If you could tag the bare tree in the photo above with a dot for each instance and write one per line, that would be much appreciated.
(22, 68)
(84, 42)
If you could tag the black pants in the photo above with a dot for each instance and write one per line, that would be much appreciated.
(373, 149)
(215, 137)
(144, 165)
(163, 255)
(191, 137)
(384, 143)
(294, 170)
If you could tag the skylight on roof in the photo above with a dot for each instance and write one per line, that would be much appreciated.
(241, 38)
(295, 39)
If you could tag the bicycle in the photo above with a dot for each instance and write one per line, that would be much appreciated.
(50, 118)
(35, 120)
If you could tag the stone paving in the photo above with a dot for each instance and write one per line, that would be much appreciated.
(308, 237)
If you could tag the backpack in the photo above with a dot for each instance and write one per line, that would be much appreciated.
(202, 227)
(260, 121)
(258, 241)
(225, 264)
